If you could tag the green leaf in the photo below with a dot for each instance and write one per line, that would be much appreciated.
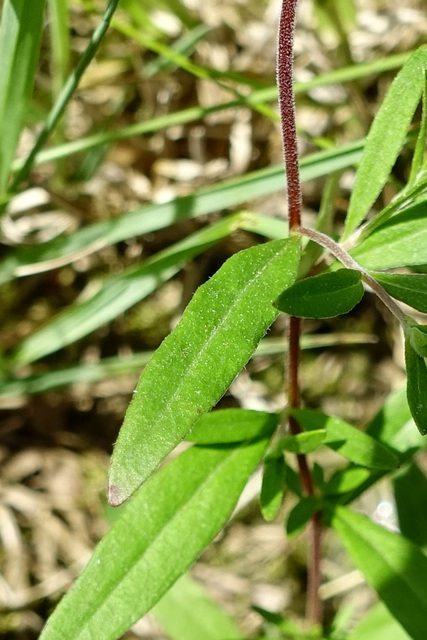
(416, 386)
(399, 242)
(409, 288)
(154, 541)
(418, 337)
(301, 514)
(351, 443)
(410, 491)
(378, 624)
(232, 425)
(20, 34)
(346, 480)
(393, 566)
(324, 296)
(195, 365)
(386, 138)
(273, 486)
(186, 612)
(301, 443)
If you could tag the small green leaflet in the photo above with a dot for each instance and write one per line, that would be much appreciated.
(196, 364)
(324, 296)
(353, 444)
(416, 386)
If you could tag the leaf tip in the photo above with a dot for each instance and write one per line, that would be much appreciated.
(116, 495)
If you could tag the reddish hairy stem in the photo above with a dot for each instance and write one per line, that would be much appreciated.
(290, 147)
(287, 109)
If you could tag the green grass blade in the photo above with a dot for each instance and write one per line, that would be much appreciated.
(118, 365)
(155, 541)
(67, 92)
(28, 260)
(393, 566)
(386, 138)
(194, 366)
(118, 295)
(20, 35)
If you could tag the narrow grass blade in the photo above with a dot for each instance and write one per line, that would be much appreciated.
(28, 260)
(154, 541)
(195, 365)
(393, 566)
(20, 35)
(386, 138)
(118, 295)
(67, 91)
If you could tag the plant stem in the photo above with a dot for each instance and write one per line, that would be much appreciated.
(345, 258)
(290, 148)
(287, 109)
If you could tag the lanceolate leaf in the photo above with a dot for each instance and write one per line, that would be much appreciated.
(386, 137)
(393, 566)
(324, 296)
(351, 443)
(232, 425)
(194, 366)
(409, 288)
(301, 514)
(416, 373)
(155, 541)
(399, 242)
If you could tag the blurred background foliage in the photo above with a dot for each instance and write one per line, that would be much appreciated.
(167, 161)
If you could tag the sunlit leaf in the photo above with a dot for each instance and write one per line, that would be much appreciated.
(232, 425)
(410, 491)
(195, 365)
(324, 296)
(386, 138)
(353, 444)
(154, 541)
(393, 566)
